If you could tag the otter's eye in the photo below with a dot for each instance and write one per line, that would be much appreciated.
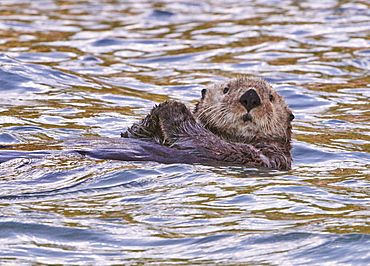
(226, 90)
(271, 97)
(291, 117)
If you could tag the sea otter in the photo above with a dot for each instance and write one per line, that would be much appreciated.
(243, 121)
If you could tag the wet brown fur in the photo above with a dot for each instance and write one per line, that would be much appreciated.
(220, 129)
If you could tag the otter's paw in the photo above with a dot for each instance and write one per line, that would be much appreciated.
(276, 158)
(147, 129)
(164, 124)
(173, 112)
(174, 119)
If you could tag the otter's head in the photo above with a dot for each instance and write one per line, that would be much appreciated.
(245, 109)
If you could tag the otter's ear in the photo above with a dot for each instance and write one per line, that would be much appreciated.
(203, 93)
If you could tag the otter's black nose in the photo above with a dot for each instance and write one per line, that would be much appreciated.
(250, 99)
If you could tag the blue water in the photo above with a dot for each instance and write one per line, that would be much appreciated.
(92, 68)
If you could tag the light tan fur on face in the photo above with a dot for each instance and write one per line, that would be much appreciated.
(222, 113)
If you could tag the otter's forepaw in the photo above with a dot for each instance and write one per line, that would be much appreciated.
(164, 124)
(173, 112)
(275, 158)
(174, 119)
(147, 129)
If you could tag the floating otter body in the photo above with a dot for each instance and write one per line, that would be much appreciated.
(243, 121)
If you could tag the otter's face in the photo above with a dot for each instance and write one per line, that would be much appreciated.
(244, 109)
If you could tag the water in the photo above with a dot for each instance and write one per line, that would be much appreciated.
(92, 68)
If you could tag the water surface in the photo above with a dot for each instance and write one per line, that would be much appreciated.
(92, 68)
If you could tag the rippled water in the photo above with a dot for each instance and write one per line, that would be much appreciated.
(92, 68)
